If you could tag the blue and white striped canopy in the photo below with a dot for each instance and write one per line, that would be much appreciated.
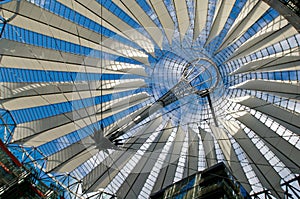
(82, 83)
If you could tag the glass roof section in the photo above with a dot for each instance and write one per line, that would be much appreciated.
(121, 98)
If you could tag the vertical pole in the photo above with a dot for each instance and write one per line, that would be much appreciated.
(2, 30)
(212, 109)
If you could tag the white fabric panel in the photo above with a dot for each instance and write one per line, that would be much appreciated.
(115, 104)
(250, 13)
(263, 170)
(121, 5)
(284, 117)
(10, 5)
(149, 111)
(107, 45)
(285, 151)
(127, 67)
(271, 64)
(99, 171)
(246, 9)
(43, 26)
(209, 148)
(137, 178)
(29, 129)
(13, 48)
(193, 152)
(107, 169)
(182, 17)
(143, 134)
(222, 12)
(123, 121)
(167, 173)
(67, 60)
(81, 36)
(42, 100)
(53, 25)
(158, 171)
(59, 131)
(74, 5)
(275, 25)
(164, 18)
(230, 156)
(110, 20)
(136, 144)
(34, 101)
(65, 164)
(68, 159)
(174, 159)
(81, 156)
(288, 89)
(201, 11)
(31, 64)
(154, 150)
(112, 171)
(145, 21)
(263, 41)
(85, 149)
(10, 91)
(33, 57)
